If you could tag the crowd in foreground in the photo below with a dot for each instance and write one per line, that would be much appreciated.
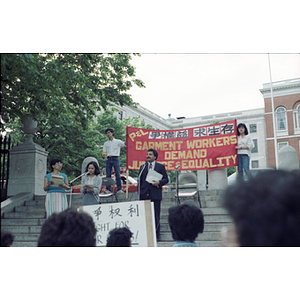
(265, 211)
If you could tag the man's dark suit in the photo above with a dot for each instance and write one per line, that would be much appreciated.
(154, 193)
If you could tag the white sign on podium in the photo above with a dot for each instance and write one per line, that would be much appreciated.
(138, 216)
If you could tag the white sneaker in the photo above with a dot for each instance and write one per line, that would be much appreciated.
(107, 192)
(120, 192)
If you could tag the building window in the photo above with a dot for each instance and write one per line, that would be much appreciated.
(254, 164)
(253, 128)
(281, 118)
(282, 144)
(255, 149)
(120, 115)
(297, 119)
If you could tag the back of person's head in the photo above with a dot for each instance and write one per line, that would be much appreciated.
(68, 229)
(186, 222)
(119, 237)
(266, 209)
(6, 239)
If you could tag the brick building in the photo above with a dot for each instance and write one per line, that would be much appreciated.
(286, 96)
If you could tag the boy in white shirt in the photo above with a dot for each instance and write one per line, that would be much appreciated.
(111, 153)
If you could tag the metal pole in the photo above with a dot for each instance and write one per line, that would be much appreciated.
(127, 171)
(273, 115)
(177, 193)
(139, 181)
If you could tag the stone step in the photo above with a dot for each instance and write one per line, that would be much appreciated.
(22, 222)
(199, 244)
(22, 229)
(24, 215)
(43, 197)
(217, 219)
(208, 227)
(27, 237)
(24, 244)
(39, 197)
(211, 204)
(214, 211)
(35, 203)
(31, 208)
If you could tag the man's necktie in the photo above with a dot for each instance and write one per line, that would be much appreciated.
(150, 167)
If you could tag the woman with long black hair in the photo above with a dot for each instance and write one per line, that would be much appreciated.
(91, 184)
(244, 147)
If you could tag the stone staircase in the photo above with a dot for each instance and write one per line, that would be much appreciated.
(215, 218)
(26, 220)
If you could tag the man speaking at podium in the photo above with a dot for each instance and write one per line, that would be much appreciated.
(153, 191)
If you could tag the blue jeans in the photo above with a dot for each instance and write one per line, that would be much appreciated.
(113, 162)
(243, 164)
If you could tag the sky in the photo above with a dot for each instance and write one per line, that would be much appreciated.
(192, 85)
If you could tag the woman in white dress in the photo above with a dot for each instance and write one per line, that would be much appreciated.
(91, 185)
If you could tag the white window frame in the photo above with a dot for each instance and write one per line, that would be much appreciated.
(281, 132)
(255, 145)
(250, 128)
(296, 119)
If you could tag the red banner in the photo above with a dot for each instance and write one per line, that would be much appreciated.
(198, 148)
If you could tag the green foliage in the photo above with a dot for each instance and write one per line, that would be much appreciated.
(231, 170)
(80, 84)
(63, 92)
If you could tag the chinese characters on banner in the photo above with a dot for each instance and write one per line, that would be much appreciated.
(198, 148)
(136, 215)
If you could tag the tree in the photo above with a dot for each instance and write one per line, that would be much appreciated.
(43, 84)
(63, 92)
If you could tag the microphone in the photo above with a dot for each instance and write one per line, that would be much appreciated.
(177, 167)
(86, 173)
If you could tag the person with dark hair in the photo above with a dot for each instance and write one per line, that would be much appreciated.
(119, 237)
(56, 200)
(111, 153)
(186, 222)
(244, 147)
(266, 211)
(153, 191)
(91, 184)
(68, 229)
(6, 239)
